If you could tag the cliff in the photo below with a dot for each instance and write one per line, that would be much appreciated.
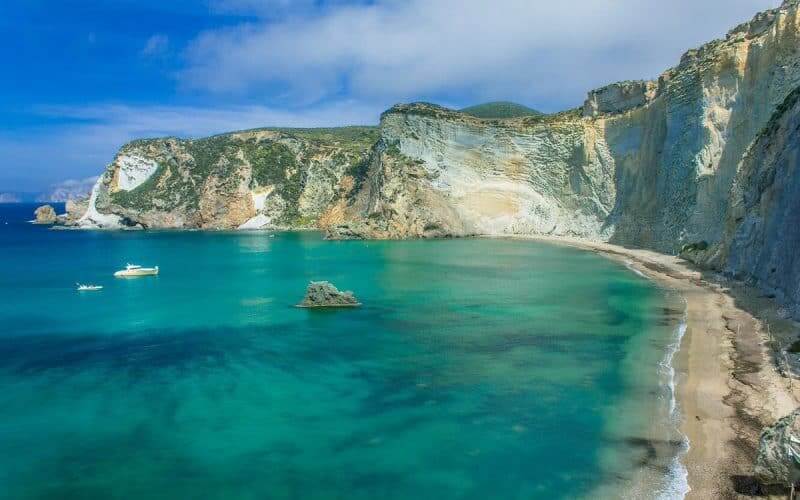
(249, 179)
(677, 155)
(700, 158)
(761, 233)
(437, 172)
(647, 164)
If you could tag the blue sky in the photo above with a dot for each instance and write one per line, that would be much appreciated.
(81, 78)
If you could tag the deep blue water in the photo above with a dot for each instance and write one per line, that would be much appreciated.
(475, 369)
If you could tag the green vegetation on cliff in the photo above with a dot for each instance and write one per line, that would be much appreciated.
(356, 136)
(500, 110)
(176, 185)
(275, 164)
(142, 196)
(791, 99)
(434, 111)
(190, 170)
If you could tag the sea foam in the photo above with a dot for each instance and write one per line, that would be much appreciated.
(677, 477)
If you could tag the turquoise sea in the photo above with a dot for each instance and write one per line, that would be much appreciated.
(476, 369)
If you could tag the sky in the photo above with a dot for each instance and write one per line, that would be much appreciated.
(81, 78)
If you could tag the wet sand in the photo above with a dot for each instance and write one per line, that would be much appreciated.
(729, 383)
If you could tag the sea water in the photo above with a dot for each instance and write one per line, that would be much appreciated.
(475, 369)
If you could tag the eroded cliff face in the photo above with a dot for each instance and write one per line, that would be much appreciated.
(250, 180)
(393, 199)
(461, 175)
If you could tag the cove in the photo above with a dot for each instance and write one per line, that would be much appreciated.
(476, 368)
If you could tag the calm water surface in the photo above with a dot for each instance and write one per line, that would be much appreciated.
(476, 369)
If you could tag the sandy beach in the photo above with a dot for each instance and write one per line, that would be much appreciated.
(729, 384)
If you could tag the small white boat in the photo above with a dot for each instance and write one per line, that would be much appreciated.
(88, 288)
(134, 271)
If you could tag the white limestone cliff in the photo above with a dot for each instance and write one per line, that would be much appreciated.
(133, 171)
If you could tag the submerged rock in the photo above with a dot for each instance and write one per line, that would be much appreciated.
(324, 294)
(45, 215)
(778, 460)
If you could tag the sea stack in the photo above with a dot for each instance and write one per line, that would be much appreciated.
(45, 215)
(325, 294)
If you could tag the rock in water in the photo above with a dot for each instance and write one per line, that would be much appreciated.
(324, 294)
(45, 215)
(778, 460)
(76, 208)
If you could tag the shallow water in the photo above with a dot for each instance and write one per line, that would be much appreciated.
(475, 369)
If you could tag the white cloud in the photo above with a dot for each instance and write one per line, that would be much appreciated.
(190, 121)
(155, 45)
(538, 51)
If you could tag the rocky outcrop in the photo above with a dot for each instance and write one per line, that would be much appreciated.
(45, 214)
(778, 460)
(324, 294)
(619, 97)
(76, 208)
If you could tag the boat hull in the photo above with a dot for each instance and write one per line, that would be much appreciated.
(135, 273)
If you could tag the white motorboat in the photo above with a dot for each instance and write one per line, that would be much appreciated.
(88, 288)
(134, 271)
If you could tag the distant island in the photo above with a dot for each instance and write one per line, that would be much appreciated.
(71, 189)
(11, 198)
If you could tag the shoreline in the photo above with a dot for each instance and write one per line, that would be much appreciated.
(728, 384)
